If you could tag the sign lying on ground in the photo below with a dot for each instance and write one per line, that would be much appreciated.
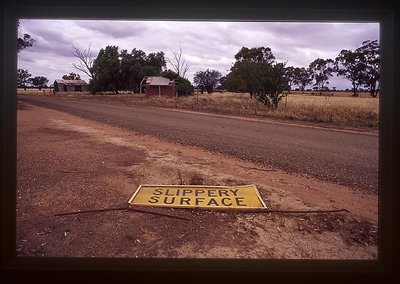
(193, 196)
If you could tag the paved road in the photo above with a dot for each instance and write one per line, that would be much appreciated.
(343, 157)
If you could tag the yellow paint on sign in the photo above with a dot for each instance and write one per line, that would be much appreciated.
(189, 196)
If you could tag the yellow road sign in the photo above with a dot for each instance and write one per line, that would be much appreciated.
(189, 196)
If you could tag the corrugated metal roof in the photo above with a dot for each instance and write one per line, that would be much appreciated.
(157, 81)
(71, 82)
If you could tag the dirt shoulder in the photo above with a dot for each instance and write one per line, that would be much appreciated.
(66, 164)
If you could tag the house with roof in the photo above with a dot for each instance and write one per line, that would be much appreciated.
(158, 86)
(70, 86)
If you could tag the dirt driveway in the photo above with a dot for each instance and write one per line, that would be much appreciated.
(66, 164)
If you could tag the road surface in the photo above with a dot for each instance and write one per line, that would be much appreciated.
(344, 157)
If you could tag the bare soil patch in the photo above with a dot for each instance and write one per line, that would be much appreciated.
(66, 164)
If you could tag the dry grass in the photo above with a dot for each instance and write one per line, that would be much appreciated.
(342, 111)
(339, 110)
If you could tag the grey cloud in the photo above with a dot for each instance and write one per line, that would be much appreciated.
(205, 45)
(50, 40)
(117, 30)
(25, 57)
(324, 36)
(48, 48)
(46, 29)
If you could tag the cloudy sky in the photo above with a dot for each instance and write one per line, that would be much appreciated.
(211, 45)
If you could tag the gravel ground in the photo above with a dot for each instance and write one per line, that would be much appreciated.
(69, 164)
(344, 157)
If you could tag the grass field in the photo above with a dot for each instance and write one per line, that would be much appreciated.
(339, 110)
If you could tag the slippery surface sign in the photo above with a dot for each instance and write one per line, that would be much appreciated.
(193, 196)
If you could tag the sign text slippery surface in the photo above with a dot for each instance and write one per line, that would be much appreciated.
(187, 196)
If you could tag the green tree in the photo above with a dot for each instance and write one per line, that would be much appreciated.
(350, 65)
(256, 72)
(321, 70)
(114, 71)
(23, 77)
(132, 71)
(370, 51)
(135, 65)
(235, 82)
(39, 82)
(184, 87)
(302, 77)
(155, 63)
(71, 76)
(207, 80)
(290, 77)
(255, 55)
(106, 70)
(270, 84)
(242, 77)
(172, 75)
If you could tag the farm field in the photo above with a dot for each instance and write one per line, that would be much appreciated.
(338, 111)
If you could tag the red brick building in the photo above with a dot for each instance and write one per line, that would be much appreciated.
(158, 86)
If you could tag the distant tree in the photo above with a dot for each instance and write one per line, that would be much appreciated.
(184, 87)
(207, 80)
(136, 64)
(24, 42)
(178, 63)
(255, 55)
(302, 77)
(242, 77)
(131, 65)
(155, 63)
(71, 76)
(139, 56)
(350, 65)
(106, 70)
(23, 77)
(271, 84)
(235, 81)
(114, 71)
(221, 83)
(256, 72)
(370, 51)
(39, 82)
(172, 75)
(290, 77)
(321, 70)
(86, 60)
